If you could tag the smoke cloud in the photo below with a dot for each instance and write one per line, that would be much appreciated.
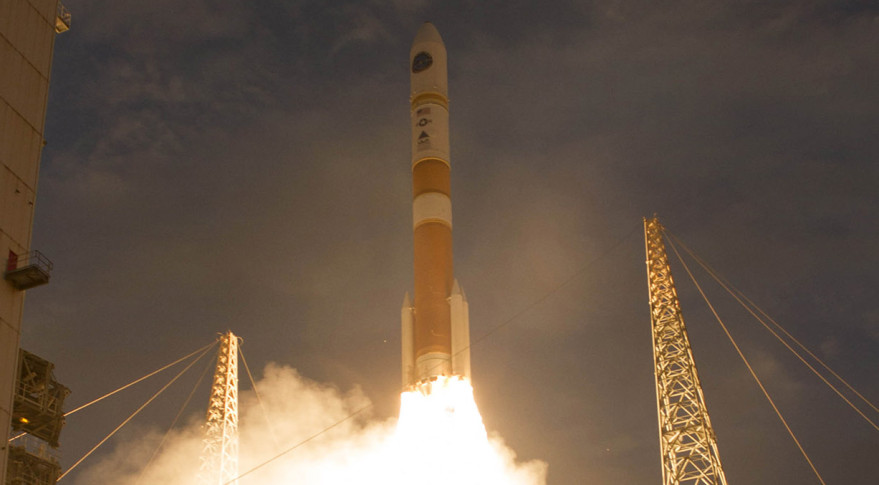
(363, 449)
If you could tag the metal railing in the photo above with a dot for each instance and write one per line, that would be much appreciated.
(33, 258)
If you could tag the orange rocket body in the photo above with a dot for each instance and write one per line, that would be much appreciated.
(436, 326)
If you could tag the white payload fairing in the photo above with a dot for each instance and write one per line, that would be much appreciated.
(436, 327)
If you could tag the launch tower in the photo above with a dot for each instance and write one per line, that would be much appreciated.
(686, 438)
(219, 460)
(27, 42)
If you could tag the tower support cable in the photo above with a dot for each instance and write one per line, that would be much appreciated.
(749, 366)
(265, 413)
(126, 386)
(752, 307)
(135, 413)
(686, 437)
(173, 423)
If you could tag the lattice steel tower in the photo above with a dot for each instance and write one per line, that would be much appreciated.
(219, 460)
(686, 438)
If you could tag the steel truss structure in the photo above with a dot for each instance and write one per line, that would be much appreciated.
(31, 467)
(39, 398)
(219, 460)
(687, 441)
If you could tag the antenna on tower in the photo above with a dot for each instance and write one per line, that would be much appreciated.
(686, 438)
(219, 459)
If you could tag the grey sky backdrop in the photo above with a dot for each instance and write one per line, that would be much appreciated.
(244, 165)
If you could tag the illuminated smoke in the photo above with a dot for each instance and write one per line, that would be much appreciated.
(439, 438)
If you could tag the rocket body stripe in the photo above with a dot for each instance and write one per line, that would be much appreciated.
(434, 98)
(430, 175)
(431, 207)
(432, 322)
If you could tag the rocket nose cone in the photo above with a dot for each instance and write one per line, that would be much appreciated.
(427, 33)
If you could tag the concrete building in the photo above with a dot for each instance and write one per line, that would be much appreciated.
(27, 38)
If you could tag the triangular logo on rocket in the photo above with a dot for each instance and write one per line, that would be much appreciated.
(423, 135)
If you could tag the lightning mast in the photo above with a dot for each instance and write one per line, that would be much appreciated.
(686, 438)
(219, 460)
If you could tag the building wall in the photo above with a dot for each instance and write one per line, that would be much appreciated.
(27, 36)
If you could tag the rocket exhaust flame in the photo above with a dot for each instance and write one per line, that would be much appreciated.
(440, 426)
(440, 410)
(439, 437)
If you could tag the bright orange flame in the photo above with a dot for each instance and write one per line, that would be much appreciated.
(440, 439)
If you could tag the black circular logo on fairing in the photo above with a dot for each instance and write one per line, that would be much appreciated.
(421, 61)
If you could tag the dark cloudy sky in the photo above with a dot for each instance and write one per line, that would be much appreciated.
(244, 165)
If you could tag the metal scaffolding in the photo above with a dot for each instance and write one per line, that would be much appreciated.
(219, 460)
(37, 412)
(687, 441)
(31, 467)
(39, 398)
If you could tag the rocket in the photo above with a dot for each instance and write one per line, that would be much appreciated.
(436, 326)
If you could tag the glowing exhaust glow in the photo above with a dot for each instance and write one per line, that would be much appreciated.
(440, 439)
(439, 413)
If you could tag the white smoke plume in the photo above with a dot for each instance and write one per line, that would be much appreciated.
(360, 450)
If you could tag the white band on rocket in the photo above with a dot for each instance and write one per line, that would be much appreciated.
(431, 207)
